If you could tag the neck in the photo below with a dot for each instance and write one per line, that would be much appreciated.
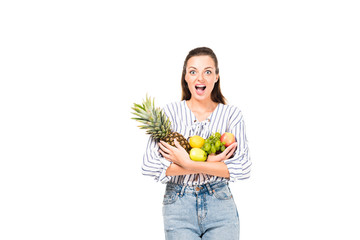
(201, 106)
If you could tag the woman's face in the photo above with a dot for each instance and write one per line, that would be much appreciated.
(201, 77)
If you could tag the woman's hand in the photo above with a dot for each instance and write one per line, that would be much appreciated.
(177, 154)
(226, 154)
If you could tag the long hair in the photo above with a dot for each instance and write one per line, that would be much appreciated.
(216, 94)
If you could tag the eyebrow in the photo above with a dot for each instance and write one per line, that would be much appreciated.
(204, 68)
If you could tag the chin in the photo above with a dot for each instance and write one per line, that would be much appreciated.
(200, 97)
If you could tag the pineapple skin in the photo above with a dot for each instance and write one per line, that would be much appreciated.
(180, 138)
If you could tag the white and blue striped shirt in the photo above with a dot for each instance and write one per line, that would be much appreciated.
(225, 118)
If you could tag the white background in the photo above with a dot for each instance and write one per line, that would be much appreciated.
(71, 156)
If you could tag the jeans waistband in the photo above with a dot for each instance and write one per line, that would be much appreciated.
(198, 189)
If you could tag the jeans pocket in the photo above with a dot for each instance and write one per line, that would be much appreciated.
(170, 197)
(222, 193)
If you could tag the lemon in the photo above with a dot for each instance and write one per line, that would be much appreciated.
(197, 154)
(196, 141)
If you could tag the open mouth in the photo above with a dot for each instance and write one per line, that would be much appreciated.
(200, 88)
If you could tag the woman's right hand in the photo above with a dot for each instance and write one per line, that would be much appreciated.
(177, 154)
(226, 154)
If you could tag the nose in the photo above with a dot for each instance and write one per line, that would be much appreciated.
(200, 78)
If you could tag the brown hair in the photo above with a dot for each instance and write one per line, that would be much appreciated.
(216, 94)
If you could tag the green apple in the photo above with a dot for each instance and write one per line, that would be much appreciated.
(197, 154)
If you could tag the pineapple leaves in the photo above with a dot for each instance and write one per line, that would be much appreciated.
(152, 119)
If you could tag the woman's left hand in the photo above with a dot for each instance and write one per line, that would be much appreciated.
(226, 154)
(177, 154)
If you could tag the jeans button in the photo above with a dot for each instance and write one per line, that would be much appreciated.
(197, 189)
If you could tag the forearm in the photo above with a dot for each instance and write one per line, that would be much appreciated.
(212, 168)
(174, 170)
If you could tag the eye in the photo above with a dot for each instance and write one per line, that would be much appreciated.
(208, 72)
(192, 72)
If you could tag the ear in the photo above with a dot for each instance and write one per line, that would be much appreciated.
(217, 78)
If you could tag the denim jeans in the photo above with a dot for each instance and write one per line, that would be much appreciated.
(202, 212)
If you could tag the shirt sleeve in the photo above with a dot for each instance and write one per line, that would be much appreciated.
(154, 165)
(239, 165)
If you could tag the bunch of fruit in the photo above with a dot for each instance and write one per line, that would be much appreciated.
(156, 123)
(214, 144)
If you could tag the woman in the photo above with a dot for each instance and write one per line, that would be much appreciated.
(198, 203)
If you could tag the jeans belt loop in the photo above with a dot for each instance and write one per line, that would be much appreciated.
(209, 188)
(182, 191)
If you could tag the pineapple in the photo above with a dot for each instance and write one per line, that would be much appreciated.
(157, 124)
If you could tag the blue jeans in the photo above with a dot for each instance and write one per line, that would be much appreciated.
(203, 212)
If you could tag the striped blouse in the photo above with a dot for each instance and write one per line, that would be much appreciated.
(225, 118)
